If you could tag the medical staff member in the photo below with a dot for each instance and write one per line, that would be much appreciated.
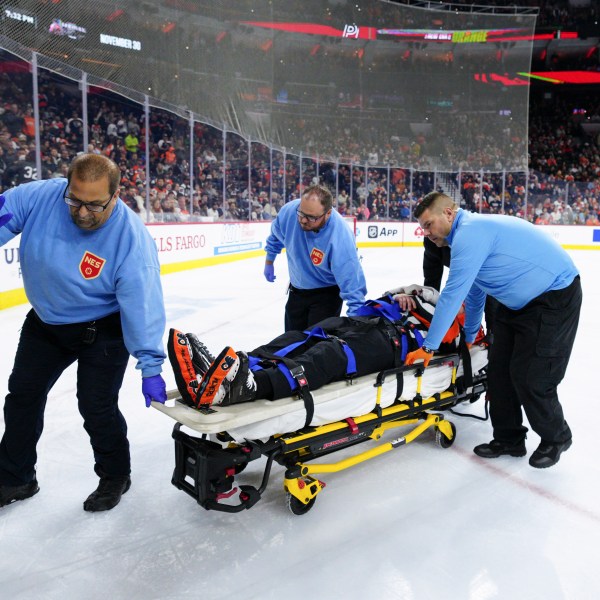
(435, 258)
(539, 293)
(91, 274)
(323, 263)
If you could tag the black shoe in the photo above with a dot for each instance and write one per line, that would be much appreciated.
(12, 493)
(548, 454)
(243, 386)
(201, 357)
(108, 494)
(495, 449)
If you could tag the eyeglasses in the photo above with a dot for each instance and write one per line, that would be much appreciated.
(97, 208)
(310, 218)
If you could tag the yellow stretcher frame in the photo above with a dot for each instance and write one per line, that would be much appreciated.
(206, 470)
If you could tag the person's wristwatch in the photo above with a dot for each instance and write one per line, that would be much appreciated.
(428, 350)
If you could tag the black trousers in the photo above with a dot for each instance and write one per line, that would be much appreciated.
(324, 360)
(43, 353)
(528, 360)
(307, 307)
(491, 307)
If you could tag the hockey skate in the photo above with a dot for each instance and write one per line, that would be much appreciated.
(201, 357)
(180, 356)
(227, 381)
(242, 388)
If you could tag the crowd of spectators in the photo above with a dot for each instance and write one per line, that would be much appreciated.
(177, 171)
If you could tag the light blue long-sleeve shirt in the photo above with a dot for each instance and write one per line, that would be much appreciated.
(505, 257)
(321, 259)
(65, 279)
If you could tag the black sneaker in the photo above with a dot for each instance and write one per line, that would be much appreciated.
(12, 493)
(201, 357)
(548, 454)
(495, 449)
(242, 388)
(108, 494)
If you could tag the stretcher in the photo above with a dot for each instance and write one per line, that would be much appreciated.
(346, 414)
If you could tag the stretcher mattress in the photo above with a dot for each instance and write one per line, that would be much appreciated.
(337, 401)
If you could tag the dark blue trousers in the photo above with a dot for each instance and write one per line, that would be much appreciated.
(43, 353)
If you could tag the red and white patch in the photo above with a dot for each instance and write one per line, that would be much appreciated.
(317, 256)
(91, 265)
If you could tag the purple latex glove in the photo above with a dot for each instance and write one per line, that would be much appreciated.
(270, 272)
(154, 388)
(4, 219)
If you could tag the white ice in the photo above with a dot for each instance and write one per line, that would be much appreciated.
(418, 523)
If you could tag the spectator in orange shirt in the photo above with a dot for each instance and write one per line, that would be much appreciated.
(170, 156)
(29, 123)
(592, 220)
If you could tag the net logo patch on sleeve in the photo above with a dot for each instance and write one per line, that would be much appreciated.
(317, 256)
(91, 265)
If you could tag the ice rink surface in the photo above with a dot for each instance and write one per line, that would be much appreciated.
(420, 523)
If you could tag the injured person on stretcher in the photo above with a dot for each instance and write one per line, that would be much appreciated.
(306, 395)
(297, 363)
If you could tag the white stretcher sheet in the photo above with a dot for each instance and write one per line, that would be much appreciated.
(333, 402)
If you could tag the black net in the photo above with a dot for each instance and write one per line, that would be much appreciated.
(368, 82)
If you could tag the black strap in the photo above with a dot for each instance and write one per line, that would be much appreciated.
(297, 372)
(304, 393)
(395, 334)
(399, 341)
(465, 356)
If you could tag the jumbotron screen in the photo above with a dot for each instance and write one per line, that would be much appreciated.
(335, 79)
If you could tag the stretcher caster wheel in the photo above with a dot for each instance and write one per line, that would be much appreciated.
(441, 438)
(298, 507)
(301, 493)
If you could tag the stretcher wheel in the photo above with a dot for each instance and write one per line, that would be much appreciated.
(297, 507)
(440, 438)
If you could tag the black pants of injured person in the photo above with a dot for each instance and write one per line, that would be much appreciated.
(43, 353)
(324, 360)
(528, 360)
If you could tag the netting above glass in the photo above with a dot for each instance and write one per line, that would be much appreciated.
(365, 81)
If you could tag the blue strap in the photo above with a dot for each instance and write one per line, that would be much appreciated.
(318, 332)
(381, 308)
(351, 359)
(254, 364)
(418, 336)
(404, 348)
(315, 332)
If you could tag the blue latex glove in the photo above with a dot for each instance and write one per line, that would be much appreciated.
(270, 272)
(154, 388)
(4, 219)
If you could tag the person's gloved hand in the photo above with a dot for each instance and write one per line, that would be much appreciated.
(419, 354)
(270, 272)
(469, 345)
(154, 388)
(4, 219)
